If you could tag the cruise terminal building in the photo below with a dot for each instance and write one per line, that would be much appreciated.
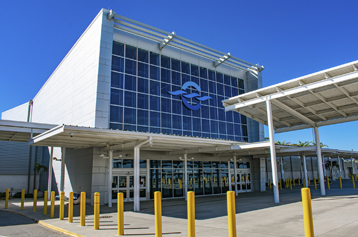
(135, 109)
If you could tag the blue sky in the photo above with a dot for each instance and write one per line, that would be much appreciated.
(290, 38)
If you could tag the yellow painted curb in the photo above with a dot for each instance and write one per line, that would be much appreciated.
(52, 227)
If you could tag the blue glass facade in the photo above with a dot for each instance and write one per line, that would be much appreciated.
(140, 101)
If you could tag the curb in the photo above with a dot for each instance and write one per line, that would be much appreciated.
(52, 227)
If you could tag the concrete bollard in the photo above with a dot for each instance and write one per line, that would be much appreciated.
(45, 202)
(354, 185)
(7, 199)
(328, 186)
(120, 210)
(340, 182)
(191, 214)
(83, 209)
(96, 210)
(315, 184)
(62, 206)
(70, 208)
(231, 213)
(52, 211)
(22, 198)
(158, 213)
(307, 212)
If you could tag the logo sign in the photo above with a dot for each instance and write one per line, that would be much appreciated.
(184, 96)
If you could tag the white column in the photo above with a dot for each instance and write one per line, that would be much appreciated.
(263, 174)
(324, 166)
(319, 160)
(229, 174)
(305, 170)
(282, 171)
(185, 175)
(109, 188)
(339, 166)
(136, 184)
(63, 167)
(273, 152)
(352, 166)
(235, 174)
(49, 183)
(147, 187)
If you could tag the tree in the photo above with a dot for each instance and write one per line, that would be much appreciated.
(284, 143)
(38, 167)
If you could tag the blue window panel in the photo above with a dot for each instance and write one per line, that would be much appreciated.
(166, 120)
(204, 85)
(197, 134)
(213, 113)
(229, 116)
(154, 87)
(130, 99)
(237, 130)
(177, 106)
(206, 135)
(131, 67)
(165, 61)
(211, 75)
(213, 101)
(154, 72)
(204, 102)
(116, 114)
(221, 113)
(165, 105)
(176, 78)
(154, 103)
(143, 85)
(187, 133)
(220, 101)
(177, 121)
(177, 132)
(194, 70)
(118, 49)
(130, 83)
(222, 127)
(184, 78)
(116, 126)
(212, 87)
(142, 129)
(176, 88)
(203, 72)
(142, 117)
(227, 80)
(205, 123)
(196, 125)
(175, 65)
(185, 67)
(117, 64)
(195, 79)
(187, 123)
(219, 77)
(154, 58)
(116, 97)
(244, 130)
(165, 76)
(214, 126)
(214, 135)
(142, 70)
(231, 138)
(129, 127)
(186, 111)
(131, 52)
(234, 82)
(234, 91)
(130, 116)
(205, 113)
(237, 138)
(237, 118)
(223, 136)
(196, 113)
(154, 119)
(117, 80)
(164, 90)
(227, 91)
(241, 84)
(154, 130)
(142, 101)
(166, 131)
(143, 55)
(230, 129)
(243, 119)
(241, 92)
(220, 89)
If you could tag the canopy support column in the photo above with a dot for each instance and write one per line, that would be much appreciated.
(273, 152)
(63, 168)
(319, 160)
(229, 176)
(235, 175)
(185, 175)
(49, 179)
(339, 166)
(110, 167)
(305, 170)
(263, 174)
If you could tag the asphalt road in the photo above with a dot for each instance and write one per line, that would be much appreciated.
(12, 224)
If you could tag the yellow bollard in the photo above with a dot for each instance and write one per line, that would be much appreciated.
(270, 183)
(45, 202)
(309, 181)
(70, 208)
(328, 186)
(294, 182)
(191, 214)
(307, 212)
(315, 184)
(304, 182)
(158, 213)
(83, 209)
(7, 199)
(96, 210)
(299, 182)
(280, 183)
(34, 206)
(22, 198)
(120, 211)
(290, 184)
(354, 185)
(340, 182)
(52, 211)
(231, 213)
(62, 206)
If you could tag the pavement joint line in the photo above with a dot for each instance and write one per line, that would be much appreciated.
(52, 227)
(338, 227)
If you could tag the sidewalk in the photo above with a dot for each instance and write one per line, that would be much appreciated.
(257, 215)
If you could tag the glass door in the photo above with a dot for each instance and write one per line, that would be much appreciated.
(125, 184)
(208, 189)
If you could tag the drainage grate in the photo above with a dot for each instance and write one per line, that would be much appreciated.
(105, 216)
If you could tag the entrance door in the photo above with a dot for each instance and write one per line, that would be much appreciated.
(243, 182)
(125, 184)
